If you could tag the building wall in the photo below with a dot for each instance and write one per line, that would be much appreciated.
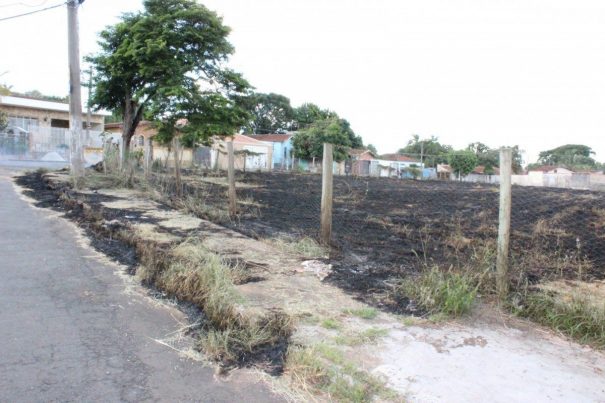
(45, 116)
(220, 157)
(278, 153)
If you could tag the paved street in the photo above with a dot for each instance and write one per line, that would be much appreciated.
(72, 329)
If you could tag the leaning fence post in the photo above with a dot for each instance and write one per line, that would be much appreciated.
(231, 178)
(504, 222)
(326, 195)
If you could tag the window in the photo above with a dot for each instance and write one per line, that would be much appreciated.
(23, 122)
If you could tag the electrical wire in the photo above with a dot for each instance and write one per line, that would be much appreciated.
(24, 4)
(32, 12)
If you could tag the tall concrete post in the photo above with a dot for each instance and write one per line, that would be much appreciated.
(75, 92)
(504, 223)
(326, 195)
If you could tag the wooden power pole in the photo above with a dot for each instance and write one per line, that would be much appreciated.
(231, 178)
(75, 92)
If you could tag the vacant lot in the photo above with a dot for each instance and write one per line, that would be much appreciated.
(385, 229)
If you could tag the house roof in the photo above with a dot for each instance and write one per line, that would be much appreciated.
(32, 103)
(480, 169)
(398, 157)
(273, 138)
(240, 138)
(353, 152)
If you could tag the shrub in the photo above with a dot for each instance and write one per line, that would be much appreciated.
(448, 292)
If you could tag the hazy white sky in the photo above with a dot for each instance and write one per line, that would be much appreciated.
(503, 72)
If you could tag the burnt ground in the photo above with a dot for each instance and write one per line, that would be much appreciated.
(384, 229)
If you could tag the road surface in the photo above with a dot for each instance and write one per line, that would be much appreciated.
(74, 329)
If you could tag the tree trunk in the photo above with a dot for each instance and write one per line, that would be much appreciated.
(132, 117)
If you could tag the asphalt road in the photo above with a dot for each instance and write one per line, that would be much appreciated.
(72, 329)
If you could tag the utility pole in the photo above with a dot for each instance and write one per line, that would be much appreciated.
(88, 111)
(75, 91)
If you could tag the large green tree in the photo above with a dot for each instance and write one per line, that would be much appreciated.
(308, 143)
(309, 113)
(431, 149)
(462, 162)
(270, 113)
(171, 53)
(490, 157)
(569, 155)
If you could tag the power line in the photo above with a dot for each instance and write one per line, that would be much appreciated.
(32, 12)
(24, 4)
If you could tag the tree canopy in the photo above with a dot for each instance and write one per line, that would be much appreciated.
(569, 155)
(432, 150)
(308, 143)
(309, 113)
(165, 63)
(270, 113)
(462, 162)
(490, 157)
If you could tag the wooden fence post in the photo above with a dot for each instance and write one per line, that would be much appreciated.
(504, 223)
(147, 157)
(326, 195)
(231, 178)
(176, 145)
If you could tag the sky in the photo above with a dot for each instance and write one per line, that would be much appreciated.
(502, 72)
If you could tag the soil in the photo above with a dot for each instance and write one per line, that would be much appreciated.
(385, 229)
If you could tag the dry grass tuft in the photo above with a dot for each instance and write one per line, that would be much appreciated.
(305, 247)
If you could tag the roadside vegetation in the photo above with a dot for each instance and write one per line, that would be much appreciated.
(322, 370)
(577, 316)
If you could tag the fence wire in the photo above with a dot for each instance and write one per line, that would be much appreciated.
(387, 228)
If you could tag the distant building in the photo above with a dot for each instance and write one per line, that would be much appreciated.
(250, 154)
(359, 162)
(282, 149)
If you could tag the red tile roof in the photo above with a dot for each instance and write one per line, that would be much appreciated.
(398, 157)
(480, 169)
(275, 138)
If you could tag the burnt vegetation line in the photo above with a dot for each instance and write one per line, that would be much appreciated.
(204, 283)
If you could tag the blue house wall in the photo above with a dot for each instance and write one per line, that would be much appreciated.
(282, 153)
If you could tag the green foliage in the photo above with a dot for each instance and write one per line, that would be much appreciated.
(438, 291)
(165, 63)
(372, 148)
(490, 157)
(363, 313)
(3, 120)
(52, 98)
(577, 317)
(308, 113)
(569, 155)
(462, 162)
(271, 113)
(434, 152)
(308, 143)
(5, 89)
